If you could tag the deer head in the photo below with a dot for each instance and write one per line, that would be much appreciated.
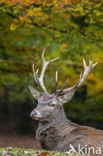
(50, 105)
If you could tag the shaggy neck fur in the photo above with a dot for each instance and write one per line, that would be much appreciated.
(51, 133)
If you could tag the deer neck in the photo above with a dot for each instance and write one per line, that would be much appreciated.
(49, 133)
(58, 117)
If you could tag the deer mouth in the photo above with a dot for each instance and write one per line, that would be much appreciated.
(38, 118)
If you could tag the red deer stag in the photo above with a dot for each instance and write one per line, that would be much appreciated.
(55, 131)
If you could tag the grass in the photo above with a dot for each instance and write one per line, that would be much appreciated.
(29, 152)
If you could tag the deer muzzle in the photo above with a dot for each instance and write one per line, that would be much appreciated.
(35, 115)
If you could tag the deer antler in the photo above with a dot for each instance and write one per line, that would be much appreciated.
(59, 91)
(83, 76)
(39, 80)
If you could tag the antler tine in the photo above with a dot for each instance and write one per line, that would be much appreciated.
(35, 74)
(87, 70)
(37, 71)
(45, 64)
(83, 76)
(42, 56)
(39, 80)
(56, 79)
(61, 90)
(53, 60)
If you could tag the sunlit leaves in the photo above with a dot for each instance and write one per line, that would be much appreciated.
(47, 13)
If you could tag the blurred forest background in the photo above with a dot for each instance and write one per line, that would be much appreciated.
(68, 29)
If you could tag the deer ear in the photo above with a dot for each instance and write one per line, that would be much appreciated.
(34, 93)
(66, 97)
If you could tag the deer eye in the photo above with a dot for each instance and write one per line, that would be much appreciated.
(52, 104)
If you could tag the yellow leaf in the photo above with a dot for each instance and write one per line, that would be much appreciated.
(98, 13)
(13, 27)
(57, 34)
(30, 12)
(78, 9)
(63, 46)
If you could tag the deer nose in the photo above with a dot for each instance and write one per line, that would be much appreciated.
(33, 114)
